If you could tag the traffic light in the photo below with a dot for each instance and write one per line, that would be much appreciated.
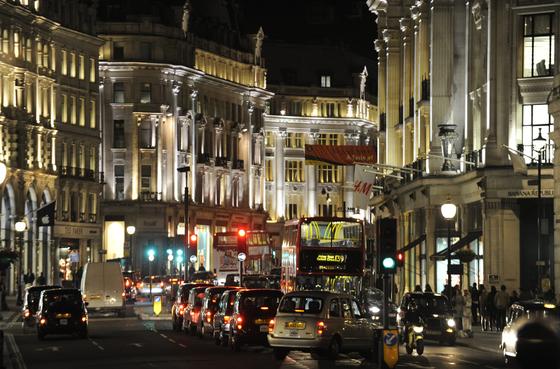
(193, 241)
(400, 258)
(387, 245)
(242, 240)
(151, 254)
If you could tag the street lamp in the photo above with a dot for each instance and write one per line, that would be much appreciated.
(185, 169)
(241, 257)
(540, 144)
(449, 210)
(151, 258)
(130, 230)
(20, 227)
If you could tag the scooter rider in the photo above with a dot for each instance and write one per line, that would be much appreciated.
(411, 317)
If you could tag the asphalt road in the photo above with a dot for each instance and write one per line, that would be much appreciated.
(132, 343)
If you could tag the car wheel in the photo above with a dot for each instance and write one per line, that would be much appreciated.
(409, 349)
(420, 347)
(223, 339)
(280, 353)
(334, 348)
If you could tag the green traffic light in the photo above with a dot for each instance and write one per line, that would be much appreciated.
(151, 252)
(389, 263)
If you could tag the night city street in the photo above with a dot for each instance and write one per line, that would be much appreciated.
(133, 343)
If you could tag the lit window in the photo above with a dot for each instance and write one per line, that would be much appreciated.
(92, 114)
(82, 112)
(328, 139)
(5, 41)
(118, 134)
(64, 109)
(538, 45)
(292, 211)
(326, 81)
(118, 92)
(269, 170)
(269, 139)
(146, 134)
(45, 55)
(73, 109)
(294, 140)
(146, 178)
(82, 67)
(119, 182)
(146, 93)
(72, 65)
(536, 119)
(92, 70)
(64, 63)
(16, 44)
(328, 173)
(28, 50)
(53, 57)
(294, 171)
(92, 158)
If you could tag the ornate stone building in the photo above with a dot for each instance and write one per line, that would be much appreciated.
(475, 76)
(175, 92)
(49, 135)
(324, 102)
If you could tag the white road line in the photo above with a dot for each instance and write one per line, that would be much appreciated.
(163, 335)
(183, 346)
(97, 345)
(172, 341)
(16, 354)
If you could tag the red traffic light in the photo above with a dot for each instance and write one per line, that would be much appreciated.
(400, 258)
(242, 240)
(193, 240)
(241, 233)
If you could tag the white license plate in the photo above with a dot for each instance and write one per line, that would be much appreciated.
(264, 328)
(63, 321)
(293, 333)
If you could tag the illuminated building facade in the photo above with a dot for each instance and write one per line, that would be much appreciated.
(473, 77)
(315, 103)
(49, 135)
(176, 92)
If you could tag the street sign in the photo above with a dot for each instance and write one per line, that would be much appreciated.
(390, 347)
(193, 258)
(241, 256)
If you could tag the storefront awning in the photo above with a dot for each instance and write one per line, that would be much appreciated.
(470, 237)
(414, 243)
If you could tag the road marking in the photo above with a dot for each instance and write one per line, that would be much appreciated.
(163, 335)
(172, 341)
(16, 354)
(136, 344)
(97, 345)
(183, 346)
(49, 348)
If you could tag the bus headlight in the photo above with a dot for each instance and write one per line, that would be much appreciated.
(451, 323)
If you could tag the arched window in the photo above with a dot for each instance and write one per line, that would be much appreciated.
(45, 55)
(5, 41)
(28, 50)
(16, 44)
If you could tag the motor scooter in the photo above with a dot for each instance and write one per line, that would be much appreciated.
(415, 338)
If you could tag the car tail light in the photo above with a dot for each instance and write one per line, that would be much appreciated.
(26, 313)
(208, 316)
(227, 319)
(321, 328)
(271, 326)
(239, 322)
(84, 318)
(161, 284)
(43, 321)
(123, 294)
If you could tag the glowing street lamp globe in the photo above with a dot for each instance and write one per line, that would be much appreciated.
(448, 210)
(131, 230)
(20, 226)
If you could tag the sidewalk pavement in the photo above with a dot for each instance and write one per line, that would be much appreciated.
(13, 312)
(483, 340)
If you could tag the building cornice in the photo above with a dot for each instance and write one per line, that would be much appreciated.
(322, 122)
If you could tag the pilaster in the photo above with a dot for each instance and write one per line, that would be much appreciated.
(393, 51)
(554, 110)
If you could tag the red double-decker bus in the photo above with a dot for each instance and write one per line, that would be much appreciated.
(259, 254)
(323, 253)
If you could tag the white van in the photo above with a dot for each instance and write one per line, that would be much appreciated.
(103, 287)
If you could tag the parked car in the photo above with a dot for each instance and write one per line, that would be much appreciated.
(210, 305)
(436, 313)
(129, 290)
(31, 304)
(324, 322)
(61, 311)
(191, 315)
(103, 287)
(222, 317)
(522, 313)
(180, 304)
(203, 277)
(252, 311)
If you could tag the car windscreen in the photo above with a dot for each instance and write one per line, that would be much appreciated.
(301, 304)
(202, 276)
(259, 282)
(62, 300)
(262, 304)
(431, 304)
(214, 299)
(542, 312)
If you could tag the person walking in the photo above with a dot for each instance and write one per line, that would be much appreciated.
(474, 308)
(491, 308)
(501, 300)
(467, 314)
(482, 297)
(458, 302)
(428, 288)
(41, 280)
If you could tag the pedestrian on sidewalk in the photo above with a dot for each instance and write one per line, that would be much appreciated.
(467, 314)
(482, 297)
(491, 308)
(501, 300)
(474, 298)
(41, 280)
(458, 302)
(3, 293)
(428, 288)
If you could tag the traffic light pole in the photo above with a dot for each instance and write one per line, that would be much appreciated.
(186, 170)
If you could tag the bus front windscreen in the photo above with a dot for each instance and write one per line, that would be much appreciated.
(336, 234)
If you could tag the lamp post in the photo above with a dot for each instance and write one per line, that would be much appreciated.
(20, 227)
(185, 169)
(449, 210)
(540, 145)
(241, 257)
(151, 258)
(130, 230)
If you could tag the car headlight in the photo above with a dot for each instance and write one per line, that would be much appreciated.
(418, 329)
(451, 323)
(374, 310)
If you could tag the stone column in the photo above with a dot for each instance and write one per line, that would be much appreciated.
(381, 91)
(192, 190)
(250, 161)
(501, 242)
(173, 149)
(441, 66)
(311, 178)
(431, 214)
(554, 109)
(280, 197)
(406, 25)
(351, 138)
(392, 39)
